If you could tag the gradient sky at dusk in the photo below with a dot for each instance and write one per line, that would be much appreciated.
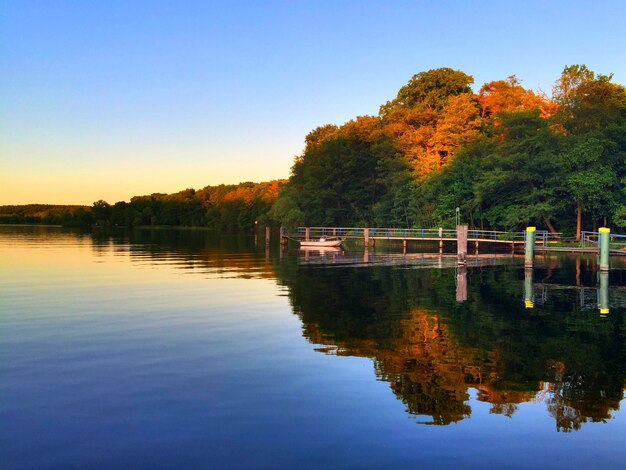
(110, 99)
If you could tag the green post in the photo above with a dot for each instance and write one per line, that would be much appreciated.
(603, 295)
(604, 242)
(530, 246)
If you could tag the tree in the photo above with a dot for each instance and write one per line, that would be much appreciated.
(590, 183)
(430, 90)
(508, 95)
(101, 212)
(319, 135)
(431, 116)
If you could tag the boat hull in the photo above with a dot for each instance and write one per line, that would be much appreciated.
(320, 244)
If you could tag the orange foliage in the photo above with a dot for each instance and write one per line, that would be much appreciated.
(247, 193)
(430, 138)
(508, 95)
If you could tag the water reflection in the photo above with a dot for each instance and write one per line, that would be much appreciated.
(436, 333)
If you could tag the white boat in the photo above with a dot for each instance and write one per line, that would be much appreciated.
(321, 249)
(325, 242)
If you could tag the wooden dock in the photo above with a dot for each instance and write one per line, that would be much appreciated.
(408, 234)
(462, 236)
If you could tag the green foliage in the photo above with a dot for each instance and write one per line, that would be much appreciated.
(555, 164)
(75, 216)
(430, 89)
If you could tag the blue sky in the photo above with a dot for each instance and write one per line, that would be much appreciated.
(113, 99)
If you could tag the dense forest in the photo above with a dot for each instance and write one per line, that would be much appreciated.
(506, 156)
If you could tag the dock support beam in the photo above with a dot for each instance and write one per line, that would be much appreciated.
(267, 236)
(461, 243)
(603, 244)
(529, 251)
(307, 233)
(366, 237)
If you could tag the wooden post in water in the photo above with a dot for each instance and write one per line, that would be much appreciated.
(530, 247)
(461, 284)
(307, 233)
(603, 245)
(440, 239)
(366, 237)
(404, 246)
(267, 236)
(461, 243)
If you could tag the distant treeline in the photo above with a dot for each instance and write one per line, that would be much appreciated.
(46, 214)
(223, 207)
(506, 156)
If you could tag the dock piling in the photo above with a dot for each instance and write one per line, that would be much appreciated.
(603, 245)
(529, 255)
(461, 243)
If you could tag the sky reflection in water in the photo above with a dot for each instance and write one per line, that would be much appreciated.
(180, 347)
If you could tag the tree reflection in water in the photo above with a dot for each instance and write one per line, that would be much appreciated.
(432, 350)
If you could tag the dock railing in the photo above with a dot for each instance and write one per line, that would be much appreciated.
(591, 240)
(435, 233)
(545, 237)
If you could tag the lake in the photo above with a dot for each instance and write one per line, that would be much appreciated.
(184, 348)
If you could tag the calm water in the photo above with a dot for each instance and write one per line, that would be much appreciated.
(185, 349)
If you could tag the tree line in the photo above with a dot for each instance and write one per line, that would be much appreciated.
(224, 207)
(47, 214)
(232, 207)
(507, 156)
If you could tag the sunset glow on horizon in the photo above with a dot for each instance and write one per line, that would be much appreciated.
(111, 100)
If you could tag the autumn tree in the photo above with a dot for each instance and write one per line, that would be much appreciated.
(508, 95)
(430, 117)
